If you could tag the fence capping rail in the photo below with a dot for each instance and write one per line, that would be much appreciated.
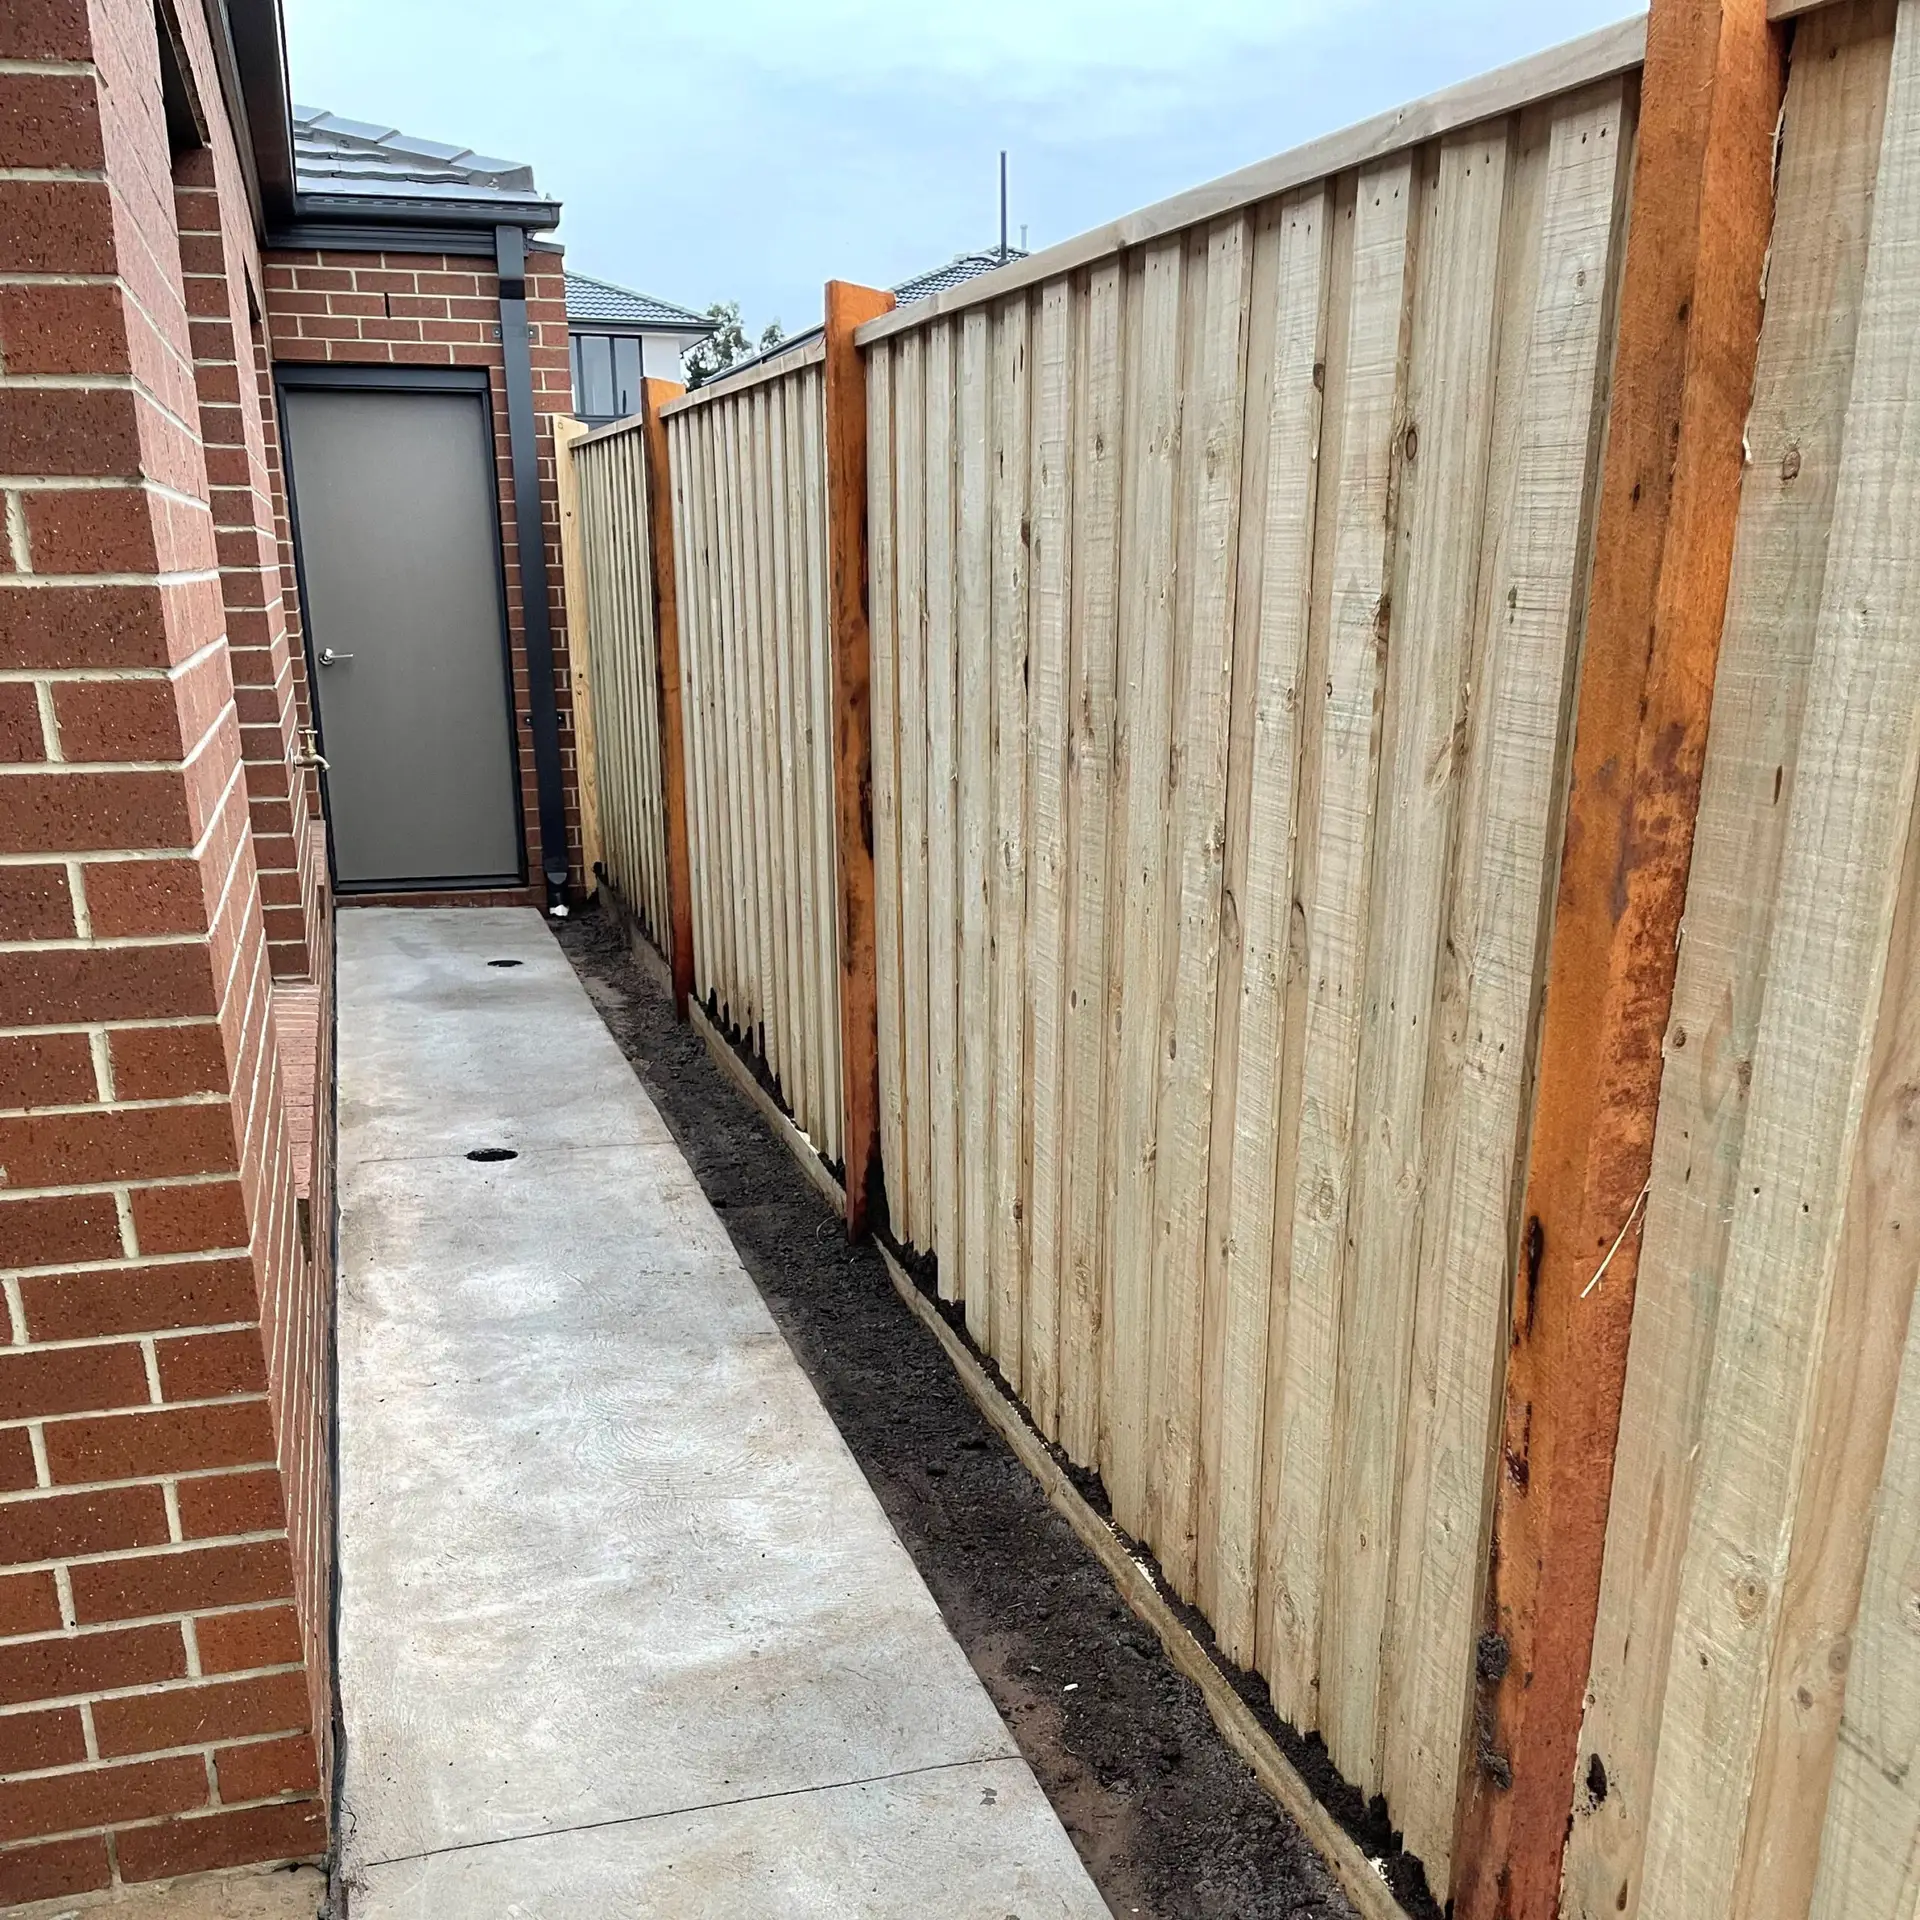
(1564, 69)
(807, 351)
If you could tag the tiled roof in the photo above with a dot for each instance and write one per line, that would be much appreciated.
(961, 268)
(590, 300)
(336, 159)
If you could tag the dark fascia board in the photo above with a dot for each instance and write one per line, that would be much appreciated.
(367, 209)
(635, 329)
(250, 45)
(344, 236)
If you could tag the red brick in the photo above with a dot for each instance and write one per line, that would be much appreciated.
(61, 329)
(167, 1063)
(60, 1868)
(52, 1231)
(267, 1768)
(22, 740)
(212, 1366)
(120, 626)
(90, 1663)
(50, 120)
(55, 226)
(195, 1219)
(134, 899)
(43, 1070)
(68, 430)
(94, 530)
(169, 1440)
(286, 1830)
(239, 1642)
(197, 1580)
(55, 1738)
(195, 1716)
(61, 1526)
(45, 30)
(220, 1504)
(102, 1796)
(36, 1381)
(35, 904)
(152, 1299)
(139, 1143)
(17, 1469)
(29, 1603)
(84, 812)
(83, 984)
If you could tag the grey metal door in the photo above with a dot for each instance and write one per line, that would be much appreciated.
(397, 523)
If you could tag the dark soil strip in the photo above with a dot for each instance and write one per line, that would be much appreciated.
(1168, 1820)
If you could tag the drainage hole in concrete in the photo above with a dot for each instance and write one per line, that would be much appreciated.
(506, 963)
(492, 1153)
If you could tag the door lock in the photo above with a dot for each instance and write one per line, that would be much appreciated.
(328, 657)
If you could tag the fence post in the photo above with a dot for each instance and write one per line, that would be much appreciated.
(847, 307)
(1689, 327)
(673, 738)
(573, 580)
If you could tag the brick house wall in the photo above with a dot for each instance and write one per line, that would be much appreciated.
(444, 310)
(165, 999)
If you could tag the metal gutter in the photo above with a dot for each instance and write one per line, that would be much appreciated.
(250, 49)
(516, 347)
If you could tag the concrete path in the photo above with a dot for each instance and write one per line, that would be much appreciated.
(624, 1629)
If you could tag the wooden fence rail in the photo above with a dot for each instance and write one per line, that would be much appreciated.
(1290, 654)
(748, 464)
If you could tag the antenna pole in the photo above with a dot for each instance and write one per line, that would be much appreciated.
(1003, 203)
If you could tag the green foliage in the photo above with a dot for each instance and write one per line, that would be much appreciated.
(728, 344)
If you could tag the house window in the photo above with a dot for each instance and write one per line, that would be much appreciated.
(606, 375)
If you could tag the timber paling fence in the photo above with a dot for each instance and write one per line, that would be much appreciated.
(1362, 1010)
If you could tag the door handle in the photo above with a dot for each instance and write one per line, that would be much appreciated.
(328, 657)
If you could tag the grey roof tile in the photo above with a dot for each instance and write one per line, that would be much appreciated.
(589, 300)
(334, 158)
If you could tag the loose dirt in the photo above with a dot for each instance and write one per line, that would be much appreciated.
(1168, 1820)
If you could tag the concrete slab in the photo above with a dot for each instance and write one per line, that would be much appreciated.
(624, 1630)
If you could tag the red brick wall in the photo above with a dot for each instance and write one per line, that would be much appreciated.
(164, 1569)
(444, 310)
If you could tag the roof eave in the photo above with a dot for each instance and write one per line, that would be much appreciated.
(250, 48)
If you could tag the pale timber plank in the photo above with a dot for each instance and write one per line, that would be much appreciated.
(973, 560)
(1210, 452)
(943, 900)
(1007, 1195)
(789, 715)
(1279, 470)
(1047, 870)
(768, 877)
(1098, 427)
(1829, 156)
(1869, 1855)
(910, 550)
(1443, 465)
(882, 614)
(1561, 235)
(1144, 740)
(1336, 924)
(1839, 867)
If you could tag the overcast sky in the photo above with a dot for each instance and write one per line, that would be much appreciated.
(751, 151)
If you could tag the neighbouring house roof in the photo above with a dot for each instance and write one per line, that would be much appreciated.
(592, 302)
(962, 267)
(356, 169)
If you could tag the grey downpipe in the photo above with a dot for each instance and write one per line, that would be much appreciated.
(516, 346)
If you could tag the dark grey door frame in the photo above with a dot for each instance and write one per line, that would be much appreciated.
(340, 377)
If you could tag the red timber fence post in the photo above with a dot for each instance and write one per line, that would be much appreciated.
(848, 307)
(673, 734)
(1689, 326)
